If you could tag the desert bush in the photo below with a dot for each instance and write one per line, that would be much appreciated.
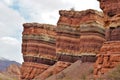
(72, 9)
(83, 77)
(91, 70)
(114, 74)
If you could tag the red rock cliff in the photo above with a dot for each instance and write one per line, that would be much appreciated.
(38, 48)
(108, 58)
(79, 34)
(48, 49)
(109, 55)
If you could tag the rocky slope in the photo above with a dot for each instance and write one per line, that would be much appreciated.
(76, 71)
(56, 68)
(12, 73)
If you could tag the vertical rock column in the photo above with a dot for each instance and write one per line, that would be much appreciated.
(92, 34)
(109, 55)
(38, 48)
(67, 40)
(80, 35)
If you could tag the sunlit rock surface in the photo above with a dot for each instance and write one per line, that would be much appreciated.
(109, 55)
(49, 49)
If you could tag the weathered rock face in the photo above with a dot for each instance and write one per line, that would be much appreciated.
(113, 34)
(113, 29)
(29, 70)
(48, 50)
(68, 33)
(92, 37)
(38, 48)
(109, 55)
(56, 68)
(111, 10)
(79, 33)
(38, 42)
(108, 58)
(75, 18)
(110, 7)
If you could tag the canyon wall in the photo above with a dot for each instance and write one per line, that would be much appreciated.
(108, 58)
(48, 49)
(109, 55)
(80, 35)
(38, 48)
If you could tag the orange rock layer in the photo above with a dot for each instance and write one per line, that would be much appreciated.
(29, 70)
(75, 18)
(38, 48)
(108, 58)
(48, 49)
(39, 40)
(109, 55)
(73, 27)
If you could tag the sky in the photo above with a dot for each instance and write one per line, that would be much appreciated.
(13, 13)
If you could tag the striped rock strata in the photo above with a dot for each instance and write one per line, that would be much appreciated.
(38, 48)
(48, 49)
(109, 55)
(80, 35)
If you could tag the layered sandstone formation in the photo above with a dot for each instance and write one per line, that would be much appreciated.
(68, 33)
(48, 49)
(109, 55)
(38, 48)
(80, 35)
(39, 43)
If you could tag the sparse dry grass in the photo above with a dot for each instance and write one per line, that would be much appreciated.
(6, 77)
(77, 71)
(113, 74)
